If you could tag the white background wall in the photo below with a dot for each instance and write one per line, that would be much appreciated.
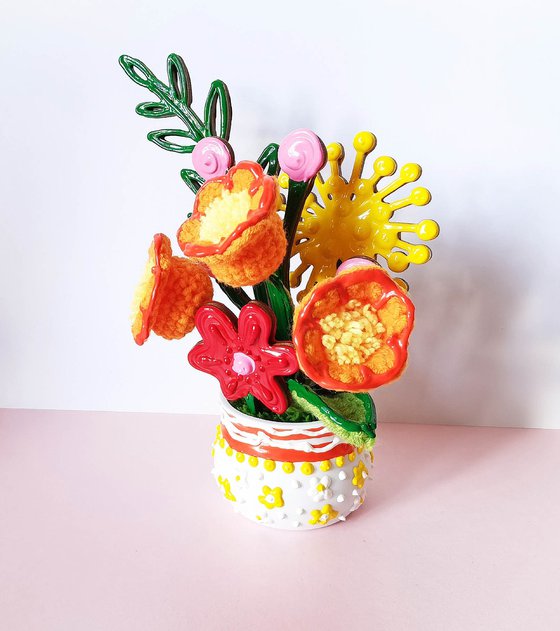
(467, 89)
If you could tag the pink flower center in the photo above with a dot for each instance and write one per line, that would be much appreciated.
(243, 364)
(355, 262)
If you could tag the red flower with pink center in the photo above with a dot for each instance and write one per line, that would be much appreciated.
(242, 354)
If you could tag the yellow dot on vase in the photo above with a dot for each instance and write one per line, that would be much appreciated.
(253, 461)
(288, 467)
(340, 461)
(325, 465)
(222, 443)
(258, 517)
(240, 457)
(360, 450)
(229, 451)
(321, 487)
(307, 468)
(213, 452)
(352, 456)
(269, 465)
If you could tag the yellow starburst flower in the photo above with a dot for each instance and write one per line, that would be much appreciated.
(353, 218)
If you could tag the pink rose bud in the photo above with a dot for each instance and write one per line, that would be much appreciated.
(211, 157)
(302, 155)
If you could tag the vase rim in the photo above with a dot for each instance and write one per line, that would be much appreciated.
(266, 422)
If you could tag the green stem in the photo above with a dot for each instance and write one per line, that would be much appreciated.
(236, 294)
(250, 400)
(297, 194)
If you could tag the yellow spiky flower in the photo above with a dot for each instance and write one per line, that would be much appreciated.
(354, 217)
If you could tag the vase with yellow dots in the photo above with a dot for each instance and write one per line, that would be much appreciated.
(293, 449)
(293, 476)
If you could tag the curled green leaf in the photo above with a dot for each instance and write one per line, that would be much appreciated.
(192, 179)
(218, 96)
(179, 79)
(151, 109)
(176, 97)
(136, 70)
(269, 159)
(160, 136)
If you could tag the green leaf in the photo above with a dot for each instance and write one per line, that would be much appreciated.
(179, 79)
(269, 158)
(355, 405)
(192, 179)
(137, 70)
(159, 137)
(176, 97)
(344, 413)
(280, 300)
(151, 109)
(217, 96)
(261, 293)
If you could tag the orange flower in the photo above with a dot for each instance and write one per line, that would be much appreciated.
(235, 229)
(351, 331)
(169, 294)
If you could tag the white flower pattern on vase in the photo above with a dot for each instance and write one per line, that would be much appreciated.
(319, 489)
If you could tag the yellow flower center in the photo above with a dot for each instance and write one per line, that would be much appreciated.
(351, 337)
(223, 215)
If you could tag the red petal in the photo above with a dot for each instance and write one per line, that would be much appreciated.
(203, 359)
(280, 360)
(234, 388)
(255, 326)
(268, 391)
(216, 325)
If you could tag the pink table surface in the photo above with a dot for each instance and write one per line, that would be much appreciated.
(110, 521)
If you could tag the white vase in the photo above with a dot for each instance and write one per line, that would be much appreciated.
(295, 476)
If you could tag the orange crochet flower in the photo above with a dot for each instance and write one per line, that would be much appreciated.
(351, 331)
(235, 229)
(169, 294)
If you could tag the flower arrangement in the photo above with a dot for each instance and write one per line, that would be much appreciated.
(313, 359)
